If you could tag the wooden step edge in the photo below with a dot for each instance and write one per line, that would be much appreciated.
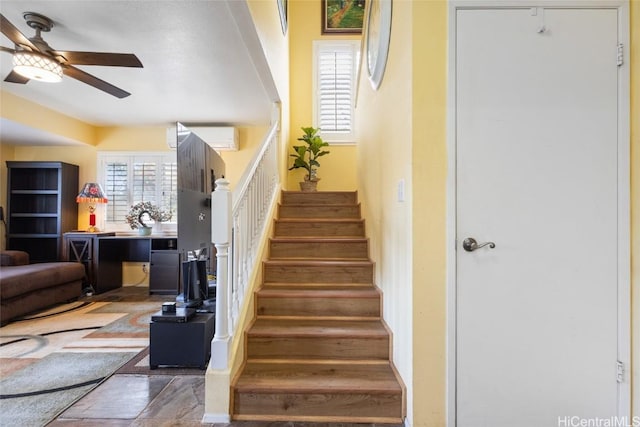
(320, 192)
(326, 220)
(304, 285)
(315, 205)
(349, 362)
(336, 237)
(365, 293)
(319, 239)
(306, 262)
(316, 419)
(320, 318)
(293, 332)
(353, 387)
(317, 258)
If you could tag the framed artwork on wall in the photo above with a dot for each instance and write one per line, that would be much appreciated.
(342, 16)
(282, 8)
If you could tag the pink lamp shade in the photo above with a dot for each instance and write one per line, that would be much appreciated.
(91, 193)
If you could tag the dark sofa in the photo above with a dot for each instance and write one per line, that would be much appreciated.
(28, 287)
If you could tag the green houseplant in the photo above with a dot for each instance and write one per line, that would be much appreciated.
(306, 157)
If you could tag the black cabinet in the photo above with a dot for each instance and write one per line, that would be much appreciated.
(41, 205)
(164, 266)
(182, 344)
(83, 247)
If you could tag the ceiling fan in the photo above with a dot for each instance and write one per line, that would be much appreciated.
(34, 59)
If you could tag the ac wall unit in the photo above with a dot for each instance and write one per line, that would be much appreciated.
(219, 138)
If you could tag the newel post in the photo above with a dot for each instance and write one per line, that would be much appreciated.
(221, 223)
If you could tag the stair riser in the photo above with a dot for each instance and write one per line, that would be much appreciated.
(318, 274)
(349, 211)
(314, 250)
(353, 407)
(319, 198)
(318, 347)
(283, 306)
(325, 229)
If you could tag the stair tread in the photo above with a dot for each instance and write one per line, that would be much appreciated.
(324, 377)
(320, 205)
(302, 285)
(318, 349)
(353, 192)
(318, 258)
(320, 239)
(297, 292)
(303, 327)
(315, 262)
(328, 220)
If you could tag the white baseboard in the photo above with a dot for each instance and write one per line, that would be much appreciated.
(216, 418)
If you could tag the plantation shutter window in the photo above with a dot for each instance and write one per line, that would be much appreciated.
(137, 177)
(169, 186)
(144, 182)
(334, 81)
(116, 186)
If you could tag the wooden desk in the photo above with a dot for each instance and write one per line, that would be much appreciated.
(103, 255)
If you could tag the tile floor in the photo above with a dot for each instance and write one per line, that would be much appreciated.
(164, 400)
(154, 401)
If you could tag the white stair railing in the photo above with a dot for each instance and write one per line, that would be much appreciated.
(238, 222)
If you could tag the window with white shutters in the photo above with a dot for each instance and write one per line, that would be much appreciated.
(129, 178)
(335, 65)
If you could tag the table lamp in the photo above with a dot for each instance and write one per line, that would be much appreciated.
(91, 193)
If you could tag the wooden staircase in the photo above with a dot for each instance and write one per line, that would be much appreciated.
(318, 349)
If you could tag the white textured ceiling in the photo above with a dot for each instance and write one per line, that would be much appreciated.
(196, 66)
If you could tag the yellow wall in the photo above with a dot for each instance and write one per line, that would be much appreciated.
(402, 130)
(237, 161)
(429, 211)
(337, 171)
(275, 44)
(143, 138)
(384, 122)
(419, 29)
(36, 116)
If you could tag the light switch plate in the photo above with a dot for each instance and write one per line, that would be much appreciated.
(401, 190)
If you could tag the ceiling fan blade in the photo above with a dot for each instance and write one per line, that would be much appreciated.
(14, 77)
(98, 58)
(13, 34)
(87, 78)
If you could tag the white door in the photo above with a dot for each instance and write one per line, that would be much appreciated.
(536, 170)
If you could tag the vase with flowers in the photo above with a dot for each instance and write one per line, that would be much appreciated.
(146, 211)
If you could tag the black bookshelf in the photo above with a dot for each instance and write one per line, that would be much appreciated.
(41, 206)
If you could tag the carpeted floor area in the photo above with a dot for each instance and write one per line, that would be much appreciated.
(52, 358)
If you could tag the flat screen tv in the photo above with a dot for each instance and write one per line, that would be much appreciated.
(199, 166)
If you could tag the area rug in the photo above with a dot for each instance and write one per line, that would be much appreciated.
(51, 359)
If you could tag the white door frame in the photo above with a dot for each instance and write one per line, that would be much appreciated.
(624, 206)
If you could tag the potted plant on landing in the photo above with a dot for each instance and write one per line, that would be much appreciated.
(306, 157)
(137, 211)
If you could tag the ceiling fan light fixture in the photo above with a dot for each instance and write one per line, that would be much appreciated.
(36, 66)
